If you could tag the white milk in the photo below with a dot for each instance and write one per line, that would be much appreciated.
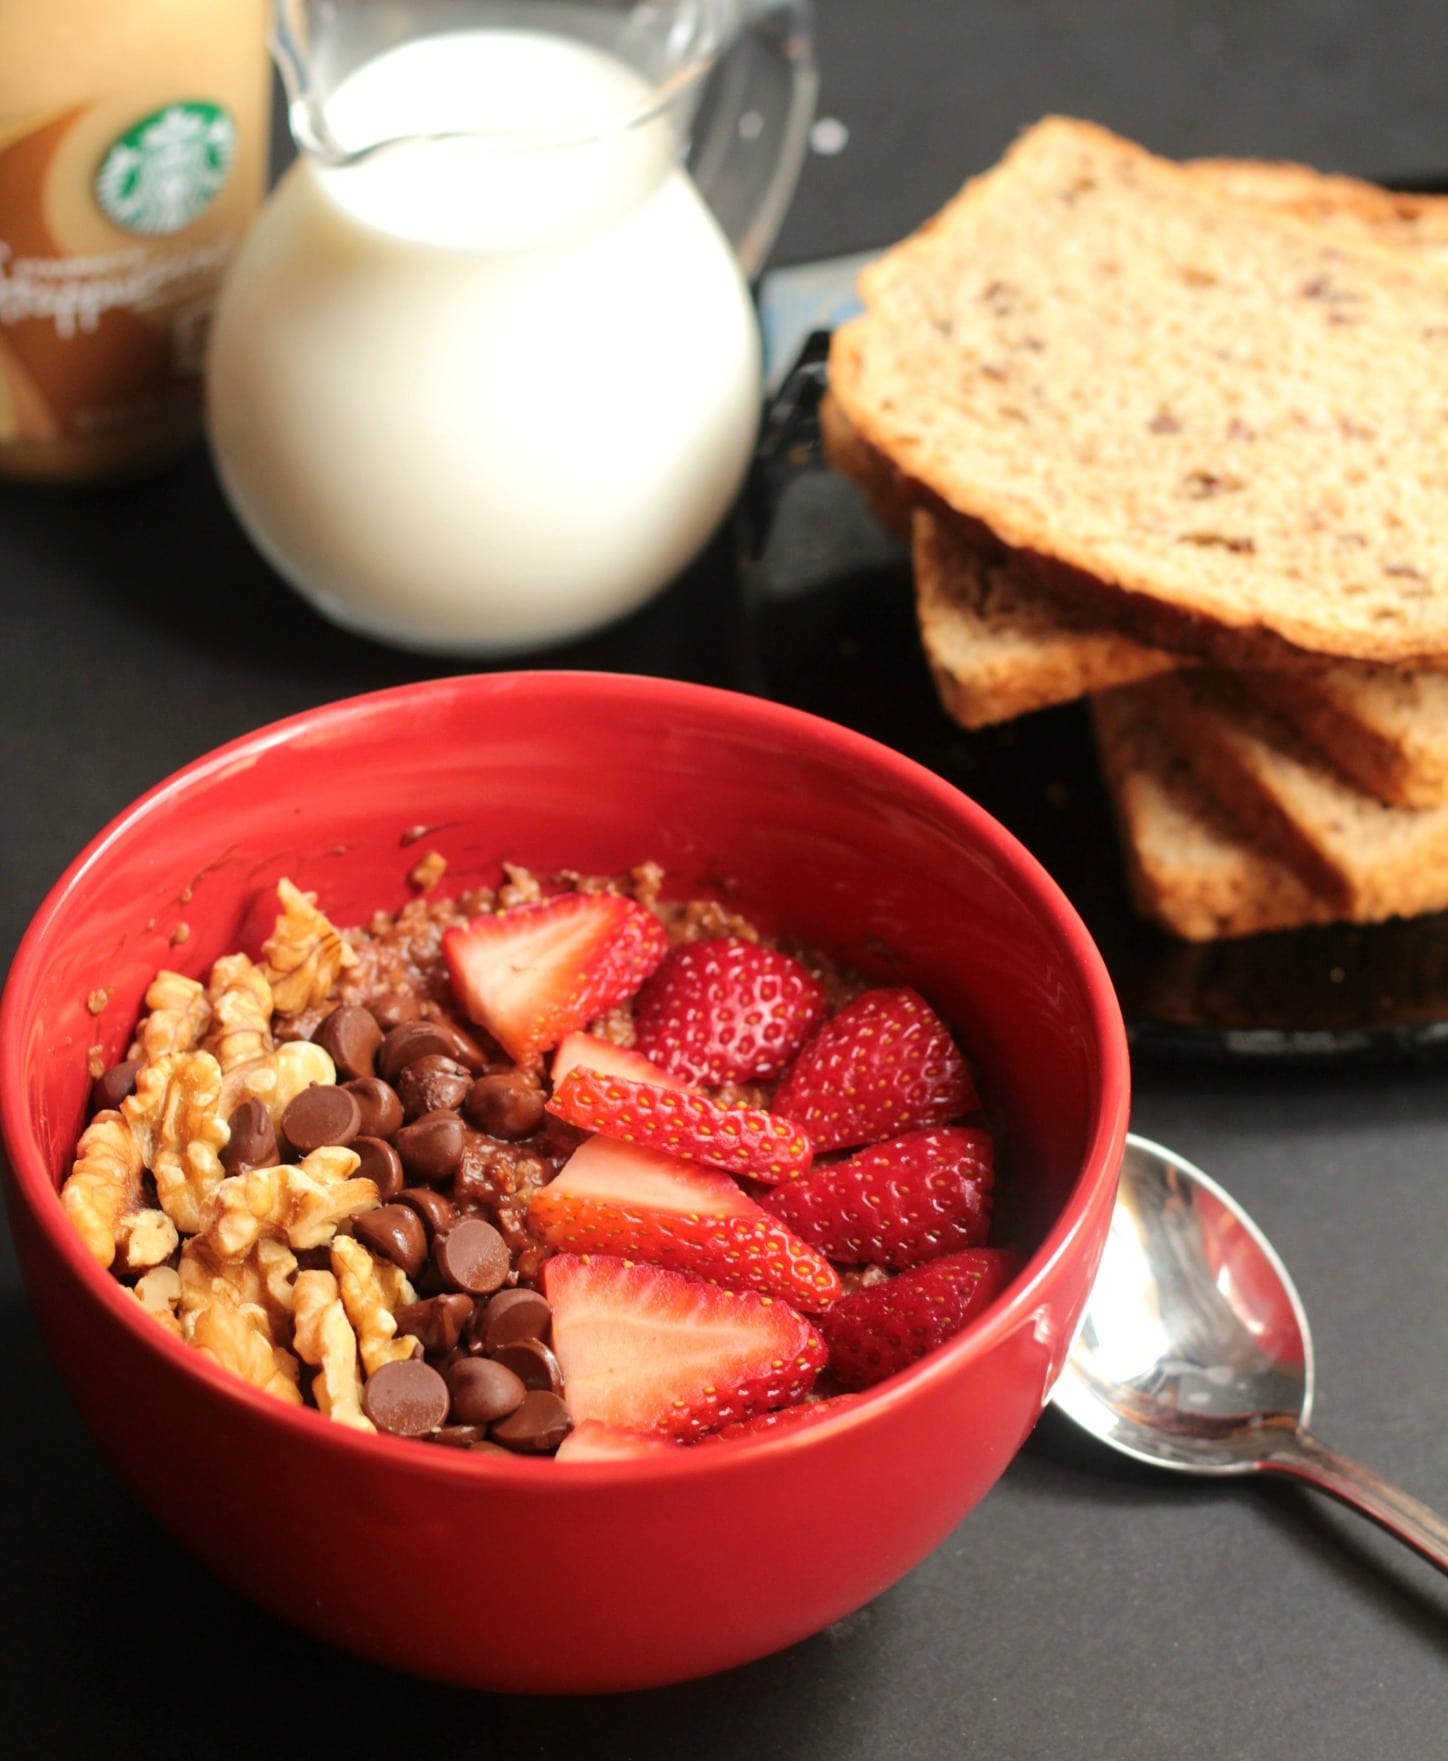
(473, 399)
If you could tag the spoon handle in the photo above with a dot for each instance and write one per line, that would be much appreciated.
(1306, 1458)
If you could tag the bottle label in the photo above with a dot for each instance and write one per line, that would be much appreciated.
(166, 170)
(116, 223)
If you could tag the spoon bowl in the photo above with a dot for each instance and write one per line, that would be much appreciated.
(1194, 1351)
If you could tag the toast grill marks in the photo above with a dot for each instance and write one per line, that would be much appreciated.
(1257, 482)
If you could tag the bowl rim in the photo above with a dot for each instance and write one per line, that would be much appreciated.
(1099, 1167)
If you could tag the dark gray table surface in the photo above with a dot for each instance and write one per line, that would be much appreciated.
(1087, 1609)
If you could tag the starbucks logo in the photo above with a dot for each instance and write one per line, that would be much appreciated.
(165, 170)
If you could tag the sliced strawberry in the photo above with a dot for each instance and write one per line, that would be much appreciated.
(876, 1331)
(620, 1198)
(784, 1418)
(650, 1350)
(682, 1122)
(595, 1441)
(533, 974)
(727, 1010)
(896, 1204)
(611, 1060)
(885, 1064)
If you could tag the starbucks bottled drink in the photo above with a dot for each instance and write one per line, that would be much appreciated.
(133, 148)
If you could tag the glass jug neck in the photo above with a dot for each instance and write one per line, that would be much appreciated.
(660, 56)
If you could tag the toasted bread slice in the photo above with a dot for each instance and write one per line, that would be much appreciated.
(1415, 223)
(997, 647)
(1190, 866)
(1265, 477)
(1385, 727)
(1372, 860)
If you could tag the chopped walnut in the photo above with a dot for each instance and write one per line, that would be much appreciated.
(519, 887)
(324, 1337)
(302, 1204)
(104, 1186)
(426, 873)
(158, 1292)
(304, 953)
(262, 1278)
(179, 1017)
(237, 1336)
(175, 1116)
(277, 1079)
(241, 1012)
(276, 1267)
(146, 1238)
(367, 1306)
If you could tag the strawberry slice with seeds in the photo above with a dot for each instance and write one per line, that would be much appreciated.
(534, 973)
(727, 1010)
(876, 1331)
(595, 1441)
(897, 1204)
(637, 1203)
(682, 1122)
(886, 1063)
(782, 1419)
(610, 1060)
(646, 1349)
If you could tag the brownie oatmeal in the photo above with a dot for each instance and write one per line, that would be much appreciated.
(551, 1167)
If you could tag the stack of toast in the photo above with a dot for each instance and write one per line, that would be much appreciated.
(1175, 438)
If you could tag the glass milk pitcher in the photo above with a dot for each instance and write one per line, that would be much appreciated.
(485, 375)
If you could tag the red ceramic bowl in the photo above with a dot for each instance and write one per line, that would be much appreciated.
(617, 1574)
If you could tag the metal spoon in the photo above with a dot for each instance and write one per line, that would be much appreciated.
(1194, 1351)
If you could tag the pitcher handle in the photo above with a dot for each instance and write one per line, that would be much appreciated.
(753, 126)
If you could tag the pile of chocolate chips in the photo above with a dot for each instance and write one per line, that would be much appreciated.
(454, 1138)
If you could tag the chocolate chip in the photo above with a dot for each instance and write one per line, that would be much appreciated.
(438, 1321)
(458, 1436)
(381, 1109)
(321, 1114)
(437, 1212)
(380, 1164)
(482, 1391)
(351, 1037)
(409, 1040)
(509, 1316)
(505, 1106)
(112, 1086)
(468, 1050)
(253, 1140)
(432, 1084)
(431, 1146)
(397, 1233)
(392, 1008)
(537, 1428)
(472, 1256)
(407, 1399)
(531, 1362)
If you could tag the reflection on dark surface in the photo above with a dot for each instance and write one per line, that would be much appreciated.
(830, 628)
